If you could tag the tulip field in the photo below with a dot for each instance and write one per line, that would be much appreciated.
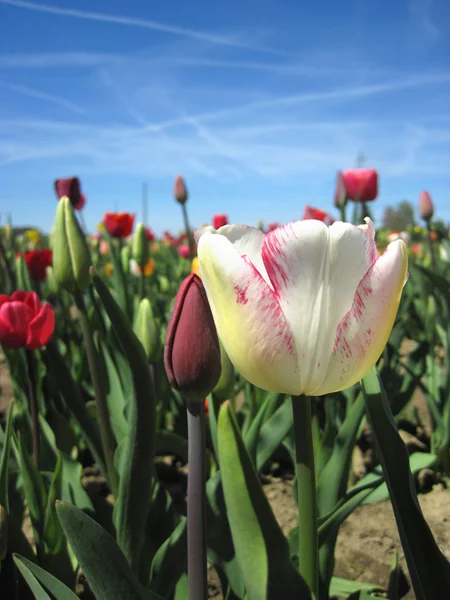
(229, 412)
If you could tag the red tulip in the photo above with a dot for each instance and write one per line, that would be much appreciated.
(37, 263)
(426, 207)
(183, 251)
(192, 351)
(25, 321)
(170, 240)
(180, 190)
(317, 214)
(119, 225)
(220, 221)
(272, 226)
(70, 187)
(361, 185)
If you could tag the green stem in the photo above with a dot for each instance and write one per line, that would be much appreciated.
(188, 231)
(104, 422)
(34, 408)
(342, 209)
(142, 283)
(306, 492)
(196, 503)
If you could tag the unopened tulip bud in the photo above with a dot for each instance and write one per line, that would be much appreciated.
(52, 284)
(141, 246)
(180, 190)
(426, 207)
(71, 256)
(3, 532)
(125, 255)
(192, 352)
(148, 331)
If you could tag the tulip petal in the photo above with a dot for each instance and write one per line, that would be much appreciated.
(41, 328)
(14, 318)
(364, 331)
(247, 314)
(315, 271)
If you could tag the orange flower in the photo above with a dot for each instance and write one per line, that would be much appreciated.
(149, 267)
(206, 407)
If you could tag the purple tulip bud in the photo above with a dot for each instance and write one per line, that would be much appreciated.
(180, 190)
(192, 351)
(426, 208)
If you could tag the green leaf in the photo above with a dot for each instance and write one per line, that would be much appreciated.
(251, 437)
(53, 533)
(137, 449)
(38, 591)
(272, 433)
(118, 278)
(31, 572)
(4, 463)
(114, 393)
(261, 548)
(394, 578)
(74, 402)
(345, 587)
(428, 567)
(34, 488)
(100, 558)
(169, 562)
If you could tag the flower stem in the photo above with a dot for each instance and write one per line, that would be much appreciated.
(188, 231)
(306, 492)
(34, 408)
(196, 503)
(104, 422)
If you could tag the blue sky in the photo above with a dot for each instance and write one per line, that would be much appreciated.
(257, 104)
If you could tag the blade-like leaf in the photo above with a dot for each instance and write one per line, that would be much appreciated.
(100, 558)
(137, 449)
(30, 570)
(261, 548)
(429, 569)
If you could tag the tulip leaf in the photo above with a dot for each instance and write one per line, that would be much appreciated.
(252, 433)
(53, 534)
(35, 575)
(261, 548)
(340, 587)
(114, 392)
(169, 562)
(118, 277)
(4, 462)
(38, 591)
(70, 393)
(428, 567)
(272, 433)
(137, 449)
(100, 558)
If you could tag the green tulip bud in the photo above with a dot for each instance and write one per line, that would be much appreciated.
(225, 385)
(147, 330)
(125, 255)
(141, 246)
(52, 284)
(71, 256)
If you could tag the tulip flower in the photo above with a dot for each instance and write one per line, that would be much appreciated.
(25, 321)
(426, 208)
(180, 190)
(183, 251)
(361, 185)
(119, 225)
(37, 263)
(317, 214)
(220, 221)
(150, 235)
(272, 226)
(316, 303)
(192, 352)
(70, 187)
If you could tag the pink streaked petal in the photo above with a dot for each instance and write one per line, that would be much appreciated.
(363, 332)
(315, 271)
(248, 317)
